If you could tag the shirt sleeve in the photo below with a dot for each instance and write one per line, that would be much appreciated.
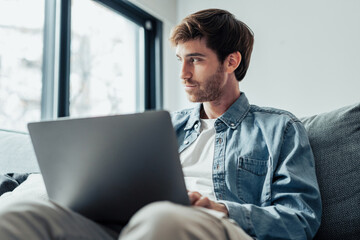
(294, 211)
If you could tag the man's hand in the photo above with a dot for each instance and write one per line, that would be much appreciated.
(196, 199)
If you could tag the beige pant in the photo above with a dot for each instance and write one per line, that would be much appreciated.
(165, 220)
(26, 216)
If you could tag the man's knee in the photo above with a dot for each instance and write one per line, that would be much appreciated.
(159, 220)
(161, 214)
(29, 216)
(24, 208)
(43, 219)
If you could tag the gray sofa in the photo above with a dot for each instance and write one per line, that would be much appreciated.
(335, 140)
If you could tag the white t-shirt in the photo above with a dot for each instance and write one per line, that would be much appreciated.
(197, 161)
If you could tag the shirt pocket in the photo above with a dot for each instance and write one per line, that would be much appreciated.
(253, 180)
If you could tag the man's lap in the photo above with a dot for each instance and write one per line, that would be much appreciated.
(184, 222)
(28, 208)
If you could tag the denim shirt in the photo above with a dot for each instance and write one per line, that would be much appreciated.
(263, 169)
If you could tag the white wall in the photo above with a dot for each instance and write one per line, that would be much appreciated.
(306, 55)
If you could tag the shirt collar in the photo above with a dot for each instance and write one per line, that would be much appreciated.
(236, 112)
(232, 117)
(194, 117)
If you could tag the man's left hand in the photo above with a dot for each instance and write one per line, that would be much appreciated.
(196, 199)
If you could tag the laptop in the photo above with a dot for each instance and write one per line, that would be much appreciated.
(107, 168)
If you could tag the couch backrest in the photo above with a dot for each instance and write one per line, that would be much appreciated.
(16, 153)
(335, 140)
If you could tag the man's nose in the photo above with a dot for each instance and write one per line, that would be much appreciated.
(185, 72)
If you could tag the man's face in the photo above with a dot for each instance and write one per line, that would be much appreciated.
(201, 72)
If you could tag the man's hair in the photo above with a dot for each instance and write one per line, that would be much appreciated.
(223, 33)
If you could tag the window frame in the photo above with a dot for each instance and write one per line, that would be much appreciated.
(152, 53)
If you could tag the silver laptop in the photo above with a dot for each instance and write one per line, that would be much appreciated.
(107, 168)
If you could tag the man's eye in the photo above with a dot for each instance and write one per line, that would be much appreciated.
(194, 60)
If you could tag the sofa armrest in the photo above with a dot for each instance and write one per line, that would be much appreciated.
(16, 153)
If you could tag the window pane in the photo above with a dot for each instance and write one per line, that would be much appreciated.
(105, 61)
(21, 48)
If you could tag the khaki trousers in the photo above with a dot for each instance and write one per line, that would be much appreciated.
(29, 215)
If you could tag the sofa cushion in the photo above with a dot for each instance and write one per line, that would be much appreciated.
(16, 153)
(335, 140)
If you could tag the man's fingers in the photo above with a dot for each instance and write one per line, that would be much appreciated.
(194, 197)
(203, 202)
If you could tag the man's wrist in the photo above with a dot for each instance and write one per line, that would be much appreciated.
(222, 208)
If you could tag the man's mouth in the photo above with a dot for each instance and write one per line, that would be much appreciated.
(189, 87)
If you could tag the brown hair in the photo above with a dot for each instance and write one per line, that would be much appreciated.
(223, 33)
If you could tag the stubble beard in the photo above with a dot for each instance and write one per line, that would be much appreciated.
(210, 90)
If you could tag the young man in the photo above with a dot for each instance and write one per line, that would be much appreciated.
(249, 170)
(254, 164)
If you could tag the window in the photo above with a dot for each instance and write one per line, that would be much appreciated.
(21, 49)
(93, 86)
(59, 60)
(106, 62)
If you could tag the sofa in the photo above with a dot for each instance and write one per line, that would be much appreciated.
(334, 138)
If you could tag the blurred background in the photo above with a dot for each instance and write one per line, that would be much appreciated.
(79, 58)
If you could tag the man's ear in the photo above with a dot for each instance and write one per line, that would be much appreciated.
(232, 61)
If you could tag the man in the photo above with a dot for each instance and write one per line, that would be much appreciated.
(249, 170)
(256, 165)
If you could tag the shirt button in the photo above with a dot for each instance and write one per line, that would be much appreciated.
(186, 142)
(196, 126)
(232, 124)
(219, 140)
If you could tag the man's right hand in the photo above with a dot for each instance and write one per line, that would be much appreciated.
(196, 199)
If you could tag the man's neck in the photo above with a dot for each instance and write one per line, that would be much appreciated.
(214, 109)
